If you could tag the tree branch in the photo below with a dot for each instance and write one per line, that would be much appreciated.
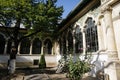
(29, 35)
(8, 33)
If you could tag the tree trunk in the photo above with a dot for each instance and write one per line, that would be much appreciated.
(14, 48)
(12, 60)
(12, 66)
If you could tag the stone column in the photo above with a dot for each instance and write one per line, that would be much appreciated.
(74, 54)
(104, 32)
(19, 48)
(73, 43)
(100, 36)
(113, 69)
(42, 48)
(31, 47)
(52, 51)
(67, 52)
(84, 42)
(61, 52)
(111, 45)
(5, 49)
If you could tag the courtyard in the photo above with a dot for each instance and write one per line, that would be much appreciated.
(34, 34)
(32, 74)
(36, 74)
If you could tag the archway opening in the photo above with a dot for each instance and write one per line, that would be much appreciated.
(47, 46)
(37, 44)
(2, 44)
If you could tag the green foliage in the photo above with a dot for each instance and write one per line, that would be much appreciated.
(77, 69)
(41, 16)
(42, 63)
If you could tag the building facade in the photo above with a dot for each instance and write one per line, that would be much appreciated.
(29, 49)
(93, 28)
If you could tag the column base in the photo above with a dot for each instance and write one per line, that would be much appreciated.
(112, 69)
(112, 56)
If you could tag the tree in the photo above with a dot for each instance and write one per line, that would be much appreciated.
(36, 16)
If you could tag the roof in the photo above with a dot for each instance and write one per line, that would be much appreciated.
(82, 4)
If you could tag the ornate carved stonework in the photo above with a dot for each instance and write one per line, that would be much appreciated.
(104, 1)
(106, 9)
(112, 55)
(99, 23)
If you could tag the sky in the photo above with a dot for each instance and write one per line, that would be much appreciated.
(68, 5)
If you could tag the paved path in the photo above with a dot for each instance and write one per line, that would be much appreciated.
(41, 77)
(34, 74)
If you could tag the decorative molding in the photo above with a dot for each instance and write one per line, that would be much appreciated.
(116, 18)
(99, 23)
(106, 9)
(112, 55)
(104, 1)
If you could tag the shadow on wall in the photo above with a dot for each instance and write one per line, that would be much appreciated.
(23, 61)
(99, 65)
(99, 58)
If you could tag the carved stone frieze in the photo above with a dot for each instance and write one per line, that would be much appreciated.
(112, 55)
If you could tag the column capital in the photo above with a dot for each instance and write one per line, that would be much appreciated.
(99, 23)
(83, 29)
(106, 9)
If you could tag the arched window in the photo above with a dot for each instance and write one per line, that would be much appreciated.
(64, 45)
(91, 36)
(37, 44)
(60, 43)
(25, 46)
(70, 42)
(47, 46)
(2, 44)
(78, 40)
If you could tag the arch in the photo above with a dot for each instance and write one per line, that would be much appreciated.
(2, 44)
(60, 43)
(37, 44)
(78, 39)
(47, 46)
(3, 35)
(91, 35)
(25, 46)
(70, 42)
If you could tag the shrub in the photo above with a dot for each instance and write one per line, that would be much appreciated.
(42, 63)
(77, 69)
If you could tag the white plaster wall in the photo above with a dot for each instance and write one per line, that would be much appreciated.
(116, 24)
(98, 61)
(3, 58)
(51, 60)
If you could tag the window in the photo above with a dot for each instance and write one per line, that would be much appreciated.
(2, 44)
(37, 44)
(64, 45)
(60, 42)
(9, 46)
(47, 46)
(25, 46)
(78, 40)
(91, 36)
(70, 42)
